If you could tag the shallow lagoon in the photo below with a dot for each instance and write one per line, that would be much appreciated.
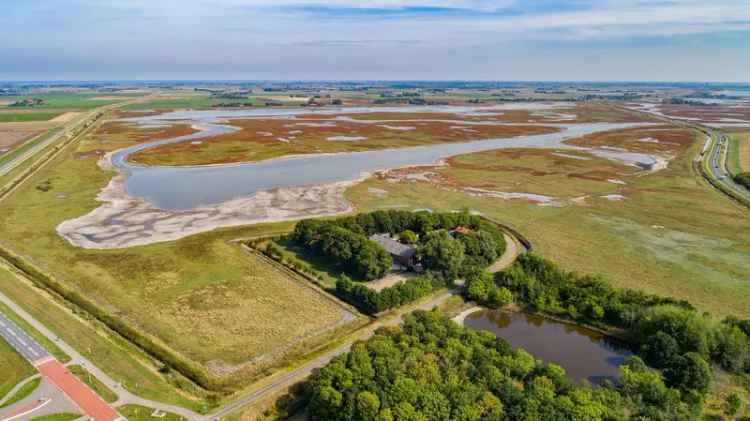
(188, 187)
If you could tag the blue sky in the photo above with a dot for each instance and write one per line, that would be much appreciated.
(681, 40)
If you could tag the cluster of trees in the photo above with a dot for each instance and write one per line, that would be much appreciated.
(669, 334)
(370, 301)
(434, 369)
(345, 238)
(352, 250)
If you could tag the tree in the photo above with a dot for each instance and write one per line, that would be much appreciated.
(372, 261)
(732, 404)
(689, 372)
(368, 405)
(441, 253)
(408, 237)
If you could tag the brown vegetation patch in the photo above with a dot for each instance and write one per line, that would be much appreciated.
(265, 138)
(136, 134)
(662, 140)
(709, 113)
(536, 171)
(12, 134)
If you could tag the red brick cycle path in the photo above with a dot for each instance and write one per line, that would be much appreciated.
(89, 402)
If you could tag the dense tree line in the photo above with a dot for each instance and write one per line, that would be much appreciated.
(371, 302)
(669, 334)
(433, 369)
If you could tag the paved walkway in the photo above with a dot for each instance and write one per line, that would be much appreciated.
(46, 399)
(89, 402)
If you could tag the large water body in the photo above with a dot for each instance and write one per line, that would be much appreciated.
(583, 353)
(188, 187)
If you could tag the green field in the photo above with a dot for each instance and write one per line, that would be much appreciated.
(14, 368)
(75, 100)
(738, 159)
(21, 117)
(97, 386)
(671, 235)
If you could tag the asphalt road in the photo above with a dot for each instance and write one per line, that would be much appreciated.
(718, 168)
(21, 341)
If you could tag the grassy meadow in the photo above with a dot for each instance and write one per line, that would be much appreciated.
(14, 367)
(671, 234)
(204, 297)
(23, 117)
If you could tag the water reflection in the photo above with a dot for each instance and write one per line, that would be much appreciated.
(585, 354)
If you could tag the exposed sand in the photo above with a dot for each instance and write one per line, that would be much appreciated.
(126, 221)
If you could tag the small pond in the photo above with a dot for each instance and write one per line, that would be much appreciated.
(583, 353)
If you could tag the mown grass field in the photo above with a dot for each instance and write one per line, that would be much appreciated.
(738, 159)
(14, 368)
(203, 297)
(21, 117)
(672, 234)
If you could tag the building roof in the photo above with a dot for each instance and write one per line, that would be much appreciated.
(394, 247)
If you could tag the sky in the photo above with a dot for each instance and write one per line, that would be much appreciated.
(573, 40)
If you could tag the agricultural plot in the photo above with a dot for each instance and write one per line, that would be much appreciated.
(21, 117)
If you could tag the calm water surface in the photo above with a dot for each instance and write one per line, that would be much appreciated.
(188, 187)
(584, 353)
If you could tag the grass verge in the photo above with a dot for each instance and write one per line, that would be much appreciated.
(97, 386)
(143, 413)
(62, 416)
(23, 392)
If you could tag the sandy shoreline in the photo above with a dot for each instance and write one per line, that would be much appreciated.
(126, 221)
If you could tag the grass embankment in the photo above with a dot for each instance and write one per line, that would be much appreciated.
(14, 367)
(142, 413)
(23, 392)
(20, 117)
(97, 386)
(200, 301)
(671, 234)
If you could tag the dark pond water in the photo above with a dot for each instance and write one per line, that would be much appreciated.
(585, 354)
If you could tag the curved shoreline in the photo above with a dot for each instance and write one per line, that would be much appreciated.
(128, 219)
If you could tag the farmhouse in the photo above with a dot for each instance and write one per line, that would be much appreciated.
(403, 254)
